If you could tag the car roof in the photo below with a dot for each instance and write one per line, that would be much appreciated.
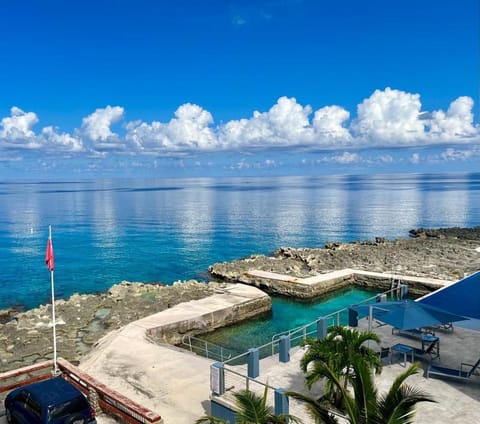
(53, 391)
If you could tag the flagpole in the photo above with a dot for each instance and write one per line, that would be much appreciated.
(55, 370)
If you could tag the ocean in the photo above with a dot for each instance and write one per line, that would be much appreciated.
(164, 230)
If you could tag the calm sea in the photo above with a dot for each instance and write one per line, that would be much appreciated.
(106, 231)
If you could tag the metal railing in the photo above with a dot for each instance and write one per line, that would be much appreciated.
(300, 334)
(297, 335)
(236, 373)
(205, 348)
(236, 381)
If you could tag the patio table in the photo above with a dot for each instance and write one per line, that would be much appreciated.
(405, 349)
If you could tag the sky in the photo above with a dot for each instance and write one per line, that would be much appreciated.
(186, 88)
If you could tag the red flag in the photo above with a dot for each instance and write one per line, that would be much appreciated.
(49, 255)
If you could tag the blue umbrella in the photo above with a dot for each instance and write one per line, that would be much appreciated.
(406, 314)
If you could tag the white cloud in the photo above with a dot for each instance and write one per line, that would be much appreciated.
(456, 123)
(389, 117)
(285, 124)
(328, 126)
(344, 158)
(16, 131)
(415, 158)
(386, 159)
(190, 130)
(451, 154)
(97, 125)
(64, 141)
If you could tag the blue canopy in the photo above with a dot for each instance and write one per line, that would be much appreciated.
(406, 314)
(462, 297)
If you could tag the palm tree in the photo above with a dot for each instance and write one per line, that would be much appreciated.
(337, 350)
(365, 406)
(252, 409)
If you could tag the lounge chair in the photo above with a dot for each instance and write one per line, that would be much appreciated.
(461, 374)
(415, 333)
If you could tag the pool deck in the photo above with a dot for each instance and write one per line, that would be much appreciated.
(176, 384)
(458, 402)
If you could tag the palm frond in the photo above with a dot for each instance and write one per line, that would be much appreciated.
(317, 410)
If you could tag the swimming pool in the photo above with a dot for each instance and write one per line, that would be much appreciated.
(287, 314)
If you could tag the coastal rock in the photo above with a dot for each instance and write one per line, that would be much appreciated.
(83, 319)
(444, 254)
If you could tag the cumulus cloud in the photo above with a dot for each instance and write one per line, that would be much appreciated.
(388, 118)
(328, 126)
(285, 124)
(189, 131)
(63, 141)
(456, 123)
(96, 127)
(16, 129)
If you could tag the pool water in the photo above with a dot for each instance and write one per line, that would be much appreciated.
(287, 314)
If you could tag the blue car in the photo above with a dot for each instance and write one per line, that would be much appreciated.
(54, 401)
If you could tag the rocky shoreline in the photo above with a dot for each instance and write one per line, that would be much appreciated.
(82, 320)
(25, 337)
(444, 254)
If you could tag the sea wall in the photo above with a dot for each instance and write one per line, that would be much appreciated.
(230, 305)
(321, 284)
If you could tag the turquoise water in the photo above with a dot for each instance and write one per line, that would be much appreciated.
(106, 231)
(286, 314)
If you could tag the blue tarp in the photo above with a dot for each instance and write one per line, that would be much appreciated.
(462, 297)
(406, 314)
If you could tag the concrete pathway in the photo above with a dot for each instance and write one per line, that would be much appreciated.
(168, 380)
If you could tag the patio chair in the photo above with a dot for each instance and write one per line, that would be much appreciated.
(384, 353)
(430, 346)
(461, 374)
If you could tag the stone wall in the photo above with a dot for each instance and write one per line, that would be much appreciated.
(173, 332)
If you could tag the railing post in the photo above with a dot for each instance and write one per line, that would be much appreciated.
(281, 402)
(284, 349)
(217, 378)
(253, 362)
(322, 328)
(352, 318)
(403, 291)
(381, 298)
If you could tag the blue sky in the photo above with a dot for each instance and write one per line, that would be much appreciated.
(199, 88)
